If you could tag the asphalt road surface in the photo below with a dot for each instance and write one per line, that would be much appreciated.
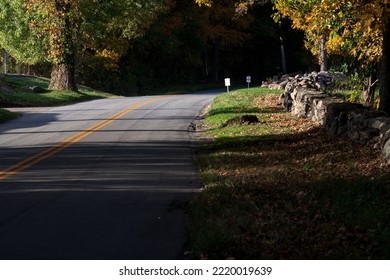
(106, 179)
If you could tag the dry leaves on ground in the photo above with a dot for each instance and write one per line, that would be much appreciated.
(301, 195)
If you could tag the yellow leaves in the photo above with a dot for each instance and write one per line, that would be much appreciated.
(335, 44)
(108, 54)
(57, 20)
(351, 26)
(207, 3)
(110, 58)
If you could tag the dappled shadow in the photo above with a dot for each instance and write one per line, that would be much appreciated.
(303, 153)
(295, 196)
(233, 110)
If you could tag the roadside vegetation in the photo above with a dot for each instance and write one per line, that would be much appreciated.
(7, 115)
(281, 188)
(16, 91)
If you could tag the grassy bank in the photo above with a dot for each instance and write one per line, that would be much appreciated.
(15, 91)
(281, 189)
(7, 115)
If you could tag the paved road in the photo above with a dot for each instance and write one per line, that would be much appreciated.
(107, 179)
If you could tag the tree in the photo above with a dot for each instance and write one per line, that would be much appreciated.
(357, 28)
(221, 27)
(66, 28)
(16, 35)
(59, 21)
(302, 14)
(185, 53)
(385, 88)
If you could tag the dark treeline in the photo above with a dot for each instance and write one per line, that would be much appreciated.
(187, 45)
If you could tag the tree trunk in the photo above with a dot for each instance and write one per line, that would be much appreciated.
(205, 65)
(385, 85)
(368, 95)
(323, 55)
(217, 44)
(282, 51)
(283, 54)
(63, 49)
(63, 78)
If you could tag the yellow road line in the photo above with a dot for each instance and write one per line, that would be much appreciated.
(30, 161)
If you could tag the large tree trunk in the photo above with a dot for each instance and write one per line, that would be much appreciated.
(63, 49)
(385, 88)
(63, 78)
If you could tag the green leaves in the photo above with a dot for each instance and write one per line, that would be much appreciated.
(17, 36)
(64, 31)
(29, 30)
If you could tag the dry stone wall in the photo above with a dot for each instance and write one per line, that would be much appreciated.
(305, 97)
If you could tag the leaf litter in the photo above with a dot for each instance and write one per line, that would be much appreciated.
(300, 195)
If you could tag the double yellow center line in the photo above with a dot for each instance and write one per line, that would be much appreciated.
(30, 161)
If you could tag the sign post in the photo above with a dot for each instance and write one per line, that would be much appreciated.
(227, 84)
(248, 80)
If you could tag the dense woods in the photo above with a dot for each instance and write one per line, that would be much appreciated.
(136, 46)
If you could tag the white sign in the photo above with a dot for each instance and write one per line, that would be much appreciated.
(248, 79)
(227, 82)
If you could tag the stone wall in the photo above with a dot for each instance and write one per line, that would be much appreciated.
(309, 100)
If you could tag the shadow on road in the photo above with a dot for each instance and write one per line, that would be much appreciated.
(100, 201)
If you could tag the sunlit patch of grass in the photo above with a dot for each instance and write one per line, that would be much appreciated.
(19, 95)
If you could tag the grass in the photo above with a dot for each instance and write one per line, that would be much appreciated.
(281, 189)
(7, 115)
(27, 81)
(231, 105)
(14, 92)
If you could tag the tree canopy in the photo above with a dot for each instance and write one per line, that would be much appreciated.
(349, 27)
(16, 35)
(59, 30)
(355, 28)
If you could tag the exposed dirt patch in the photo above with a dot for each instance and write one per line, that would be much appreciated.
(242, 120)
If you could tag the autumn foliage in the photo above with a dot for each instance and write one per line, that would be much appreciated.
(69, 28)
(351, 27)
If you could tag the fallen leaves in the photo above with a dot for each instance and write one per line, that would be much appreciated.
(294, 194)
